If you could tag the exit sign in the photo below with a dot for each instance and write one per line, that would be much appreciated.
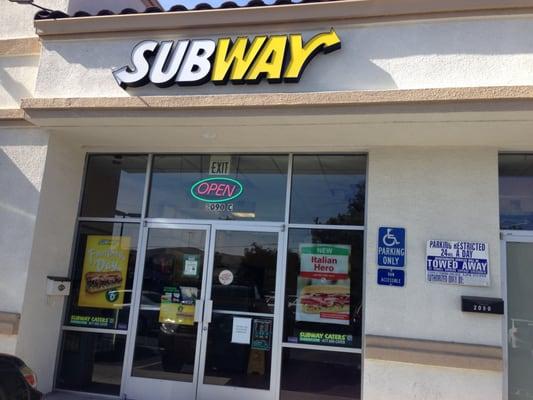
(219, 165)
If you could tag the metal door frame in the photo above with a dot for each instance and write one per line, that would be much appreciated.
(228, 392)
(210, 228)
(136, 306)
(508, 236)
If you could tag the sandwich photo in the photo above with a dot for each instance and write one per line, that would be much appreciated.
(315, 299)
(101, 281)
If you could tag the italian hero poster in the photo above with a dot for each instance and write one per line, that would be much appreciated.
(104, 271)
(323, 293)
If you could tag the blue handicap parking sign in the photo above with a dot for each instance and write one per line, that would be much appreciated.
(391, 247)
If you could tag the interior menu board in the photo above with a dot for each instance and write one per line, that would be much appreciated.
(323, 284)
(104, 271)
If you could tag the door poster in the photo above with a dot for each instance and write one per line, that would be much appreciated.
(262, 334)
(323, 292)
(104, 271)
(241, 329)
(177, 305)
(191, 265)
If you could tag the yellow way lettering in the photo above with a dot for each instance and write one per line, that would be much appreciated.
(301, 54)
(232, 60)
(269, 61)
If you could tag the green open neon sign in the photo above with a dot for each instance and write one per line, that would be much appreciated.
(216, 190)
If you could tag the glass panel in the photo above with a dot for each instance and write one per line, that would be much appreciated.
(91, 362)
(520, 319)
(239, 364)
(114, 186)
(165, 345)
(323, 295)
(516, 191)
(102, 278)
(246, 187)
(320, 375)
(328, 189)
(244, 271)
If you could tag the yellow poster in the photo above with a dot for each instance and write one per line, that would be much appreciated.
(177, 305)
(104, 271)
(176, 313)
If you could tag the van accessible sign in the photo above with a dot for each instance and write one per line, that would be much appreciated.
(278, 58)
(457, 262)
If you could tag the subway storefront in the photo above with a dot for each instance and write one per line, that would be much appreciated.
(206, 275)
(321, 201)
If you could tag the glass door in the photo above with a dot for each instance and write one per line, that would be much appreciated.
(518, 252)
(240, 338)
(167, 319)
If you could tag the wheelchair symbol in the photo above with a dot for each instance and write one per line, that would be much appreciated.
(389, 239)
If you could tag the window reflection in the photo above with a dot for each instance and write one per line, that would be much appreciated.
(249, 259)
(516, 191)
(263, 179)
(114, 185)
(91, 362)
(319, 375)
(328, 189)
(249, 364)
(166, 337)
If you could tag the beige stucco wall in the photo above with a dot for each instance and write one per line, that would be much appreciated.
(459, 52)
(16, 20)
(50, 256)
(17, 79)
(22, 156)
(385, 380)
(434, 193)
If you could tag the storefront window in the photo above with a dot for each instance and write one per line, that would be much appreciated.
(246, 187)
(516, 191)
(323, 295)
(174, 336)
(328, 189)
(250, 259)
(318, 375)
(102, 276)
(91, 362)
(114, 186)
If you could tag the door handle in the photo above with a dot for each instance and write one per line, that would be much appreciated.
(208, 311)
(198, 310)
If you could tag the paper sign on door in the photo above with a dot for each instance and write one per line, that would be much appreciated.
(241, 330)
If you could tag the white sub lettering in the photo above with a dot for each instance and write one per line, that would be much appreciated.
(137, 76)
(164, 77)
(196, 66)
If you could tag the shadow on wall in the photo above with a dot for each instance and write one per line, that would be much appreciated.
(19, 200)
(10, 83)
